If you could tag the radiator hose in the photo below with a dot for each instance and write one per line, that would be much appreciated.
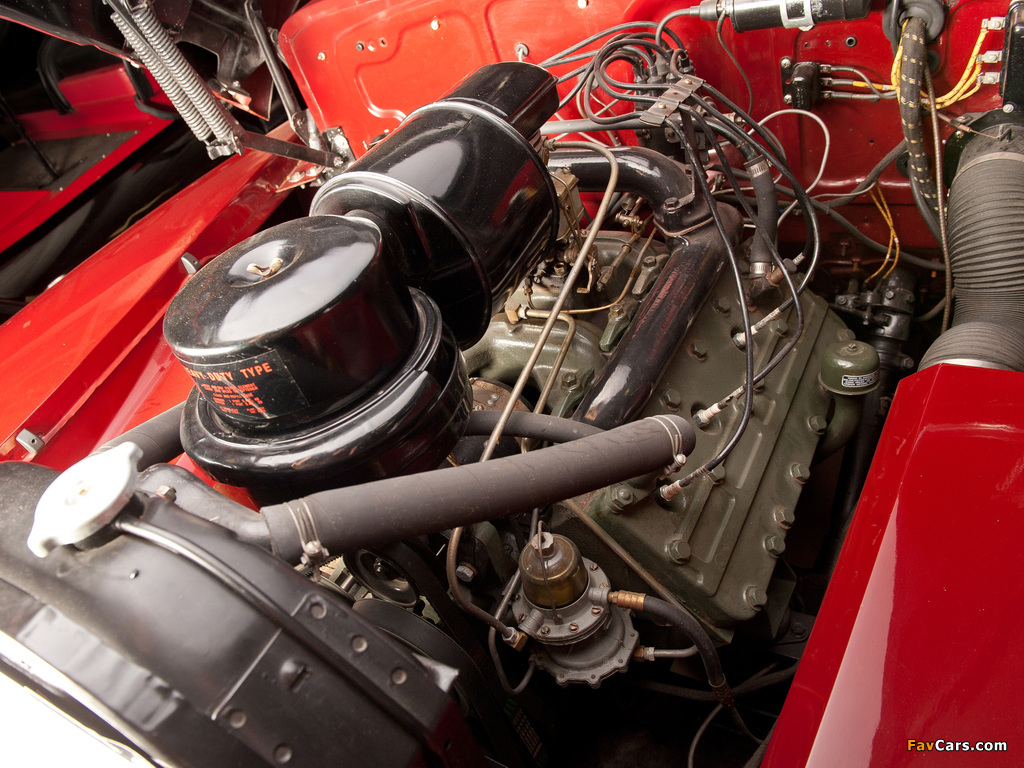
(398, 508)
(986, 244)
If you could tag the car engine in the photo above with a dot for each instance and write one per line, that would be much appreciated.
(546, 418)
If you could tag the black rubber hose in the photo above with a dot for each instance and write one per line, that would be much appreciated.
(657, 608)
(401, 507)
(159, 438)
(986, 248)
(912, 65)
(622, 389)
(660, 180)
(763, 185)
(536, 426)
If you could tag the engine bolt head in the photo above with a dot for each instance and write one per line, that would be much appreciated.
(817, 424)
(784, 517)
(574, 627)
(721, 305)
(465, 572)
(774, 545)
(718, 474)
(698, 349)
(671, 399)
(800, 473)
(679, 550)
(545, 630)
(755, 597)
(570, 381)
(595, 611)
(623, 494)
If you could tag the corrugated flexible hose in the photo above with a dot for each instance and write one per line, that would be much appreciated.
(986, 243)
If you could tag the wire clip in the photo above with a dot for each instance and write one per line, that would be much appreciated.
(669, 101)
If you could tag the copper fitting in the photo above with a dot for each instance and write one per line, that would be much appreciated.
(633, 601)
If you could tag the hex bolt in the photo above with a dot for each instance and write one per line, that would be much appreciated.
(465, 573)
(698, 349)
(718, 474)
(622, 497)
(616, 311)
(774, 545)
(672, 399)
(817, 424)
(798, 630)
(800, 473)
(755, 597)
(781, 327)
(721, 305)
(574, 627)
(679, 550)
(570, 381)
(650, 261)
(784, 517)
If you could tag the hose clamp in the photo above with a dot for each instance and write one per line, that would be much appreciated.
(314, 553)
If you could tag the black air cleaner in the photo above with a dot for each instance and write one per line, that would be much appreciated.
(313, 366)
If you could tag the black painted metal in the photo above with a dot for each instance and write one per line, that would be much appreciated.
(326, 326)
(660, 180)
(408, 424)
(193, 671)
(620, 391)
(463, 199)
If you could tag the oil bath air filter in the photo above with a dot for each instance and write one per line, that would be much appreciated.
(464, 200)
(314, 368)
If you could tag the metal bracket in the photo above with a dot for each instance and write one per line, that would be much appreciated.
(669, 101)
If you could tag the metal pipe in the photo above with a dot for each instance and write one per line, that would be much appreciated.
(657, 178)
(622, 389)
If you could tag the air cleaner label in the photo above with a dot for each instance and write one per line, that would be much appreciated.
(254, 389)
(859, 381)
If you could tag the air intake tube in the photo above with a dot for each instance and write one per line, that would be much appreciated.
(986, 243)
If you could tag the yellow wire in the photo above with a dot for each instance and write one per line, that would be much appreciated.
(970, 75)
(883, 208)
(967, 86)
(892, 234)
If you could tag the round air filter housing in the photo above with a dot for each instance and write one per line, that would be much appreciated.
(314, 368)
